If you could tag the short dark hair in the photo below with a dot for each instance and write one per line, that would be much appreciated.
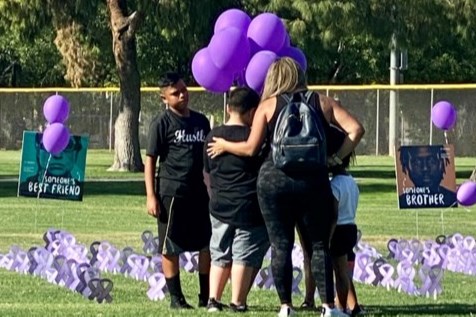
(407, 152)
(169, 79)
(243, 99)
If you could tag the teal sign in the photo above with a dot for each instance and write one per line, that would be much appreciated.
(43, 175)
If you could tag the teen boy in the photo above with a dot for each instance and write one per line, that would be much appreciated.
(177, 195)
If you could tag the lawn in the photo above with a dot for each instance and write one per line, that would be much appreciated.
(114, 210)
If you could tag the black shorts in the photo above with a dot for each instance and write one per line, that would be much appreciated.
(184, 224)
(344, 240)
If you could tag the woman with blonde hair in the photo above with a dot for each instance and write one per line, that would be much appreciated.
(302, 199)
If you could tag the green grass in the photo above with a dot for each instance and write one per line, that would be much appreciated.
(115, 211)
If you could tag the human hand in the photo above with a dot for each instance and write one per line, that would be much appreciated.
(216, 147)
(153, 207)
(333, 160)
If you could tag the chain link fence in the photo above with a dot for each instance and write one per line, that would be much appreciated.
(93, 112)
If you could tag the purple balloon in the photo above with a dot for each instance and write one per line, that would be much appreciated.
(208, 75)
(258, 68)
(230, 50)
(233, 18)
(296, 54)
(287, 41)
(443, 115)
(55, 138)
(267, 32)
(56, 109)
(466, 193)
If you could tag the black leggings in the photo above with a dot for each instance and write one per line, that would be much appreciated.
(305, 202)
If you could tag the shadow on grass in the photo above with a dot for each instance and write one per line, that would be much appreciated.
(9, 188)
(377, 188)
(422, 310)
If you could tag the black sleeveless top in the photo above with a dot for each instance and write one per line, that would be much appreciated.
(280, 103)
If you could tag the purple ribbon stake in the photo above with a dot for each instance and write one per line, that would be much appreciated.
(81, 268)
(125, 268)
(392, 246)
(44, 259)
(157, 287)
(431, 278)
(431, 258)
(264, 278)
(406, 274)
(297, 278)
(32, 259)
(100, 289)
(386, 270)
(150, 243)
(297, 256)
(94, 251)
(89, 274)
(61, 266)
(377, 275)
(441, 239)
(156, 264)
(72, 281)
(139, 265)
(469, 243)
(189, 261)
(362, 261)
(50, 235)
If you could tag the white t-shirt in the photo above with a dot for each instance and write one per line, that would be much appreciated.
(346, 192)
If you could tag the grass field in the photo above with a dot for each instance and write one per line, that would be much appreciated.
(115, 211)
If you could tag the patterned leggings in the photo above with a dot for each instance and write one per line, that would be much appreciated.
(305, 202)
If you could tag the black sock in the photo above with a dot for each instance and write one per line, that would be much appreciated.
(173, 284)
(204, 280)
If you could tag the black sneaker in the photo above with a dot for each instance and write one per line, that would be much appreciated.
(214, 305)
(238, 308)
(307, 306)
(179, 303)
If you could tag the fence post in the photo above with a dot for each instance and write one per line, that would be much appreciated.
(431, 122)
(377, 127)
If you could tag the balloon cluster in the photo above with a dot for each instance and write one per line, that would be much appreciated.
(443, 116)
(56, 135)
(241, 51)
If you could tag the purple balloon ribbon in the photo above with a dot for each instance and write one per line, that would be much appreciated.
(157, 285)
(150, 244)
(100, 289)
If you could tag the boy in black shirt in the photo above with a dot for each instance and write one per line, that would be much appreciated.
(239, 237)
(177, 196)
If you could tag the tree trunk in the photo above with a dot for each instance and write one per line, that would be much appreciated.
(126, 128)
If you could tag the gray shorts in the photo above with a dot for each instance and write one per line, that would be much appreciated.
(241, 245)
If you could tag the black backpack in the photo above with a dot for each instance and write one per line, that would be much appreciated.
(299, 139)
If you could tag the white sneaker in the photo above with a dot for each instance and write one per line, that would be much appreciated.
(332, 312)
(286, 311)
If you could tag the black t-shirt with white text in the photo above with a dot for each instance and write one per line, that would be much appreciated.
(233, 181)
(178, 142)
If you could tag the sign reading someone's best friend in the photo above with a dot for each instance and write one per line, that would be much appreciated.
(43, 175)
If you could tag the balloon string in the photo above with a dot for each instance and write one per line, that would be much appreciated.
(44, 176)
(446, 137)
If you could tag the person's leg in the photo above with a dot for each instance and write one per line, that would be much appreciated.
(250, 245)
(203, 277)
(309, 283)
(278, 214)
(220, 251)
(170, 253)
(342, 280)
